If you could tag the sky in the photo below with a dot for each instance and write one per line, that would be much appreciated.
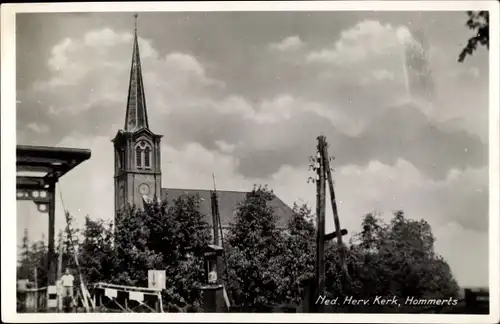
(244, 95)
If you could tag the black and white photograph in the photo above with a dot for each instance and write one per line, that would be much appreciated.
(281, 159)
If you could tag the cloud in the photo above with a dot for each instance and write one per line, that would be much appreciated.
(381, 75)
(466, 73)
(38, 128)
(225, 147)
(474, 71)
(402, 131)
(99, 62)
(289, 44)
(377, 76)
(191, 106)
(360, 42)
(457, 243)
(387, 188)
(106, 38)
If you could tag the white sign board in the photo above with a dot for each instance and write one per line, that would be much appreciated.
(156, 279)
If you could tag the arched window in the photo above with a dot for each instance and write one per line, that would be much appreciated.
(147, 157)
(138, 157)
(143, 155)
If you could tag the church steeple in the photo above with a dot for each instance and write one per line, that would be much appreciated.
(137, 116)
(137, 149)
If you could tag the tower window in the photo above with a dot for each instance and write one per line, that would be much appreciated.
(122, 158)
(138, 157)
(147, 157)
(143, 155)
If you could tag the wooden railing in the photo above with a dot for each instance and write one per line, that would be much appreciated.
(122, 299)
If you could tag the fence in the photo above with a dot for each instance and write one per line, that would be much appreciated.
(119, 298)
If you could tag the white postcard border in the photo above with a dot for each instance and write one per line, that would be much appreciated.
(8, 144)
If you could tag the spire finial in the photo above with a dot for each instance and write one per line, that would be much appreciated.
(135, 21)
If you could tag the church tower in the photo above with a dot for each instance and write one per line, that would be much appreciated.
(137, 149)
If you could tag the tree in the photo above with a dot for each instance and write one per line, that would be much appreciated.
(254, 247)
(164, 237)
(296, 263)
(479, 22)
(398, 259)
(25, 264)
(39, 260)
(132, 251)
(183, 238)
(96, 252)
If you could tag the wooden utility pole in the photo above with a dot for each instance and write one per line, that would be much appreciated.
(320, 233)
(336, 220)
(322, 168)
(326, 162)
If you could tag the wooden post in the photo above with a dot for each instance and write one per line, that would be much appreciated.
(51, 271)
(35, 278)
(320, 231)
(338, 230)
(161, 302)
(328, 171)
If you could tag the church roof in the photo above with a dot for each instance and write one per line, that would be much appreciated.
(228, 204)
(136, 117)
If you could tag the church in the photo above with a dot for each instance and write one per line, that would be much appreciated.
(137, 176)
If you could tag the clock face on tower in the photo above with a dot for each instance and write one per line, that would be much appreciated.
(144, 189)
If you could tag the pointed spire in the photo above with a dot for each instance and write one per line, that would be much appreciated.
(137, 116)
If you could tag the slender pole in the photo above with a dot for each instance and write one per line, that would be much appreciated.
(59, 270)
(60, 257)
(51, 264)
(215, 223)
(161, 303)
(320, 234)
(332, 194)
(217, 239)
(35, 278)
(338, 230)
